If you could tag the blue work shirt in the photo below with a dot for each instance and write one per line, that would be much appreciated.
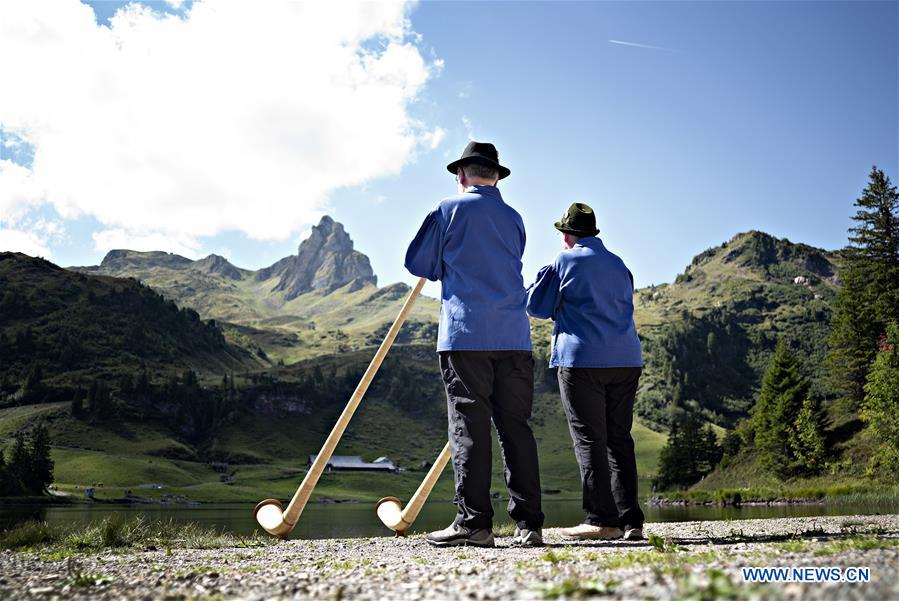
(589, 293)
(472, 243)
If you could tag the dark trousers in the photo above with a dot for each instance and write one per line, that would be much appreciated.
(492, 385)
(599, 405)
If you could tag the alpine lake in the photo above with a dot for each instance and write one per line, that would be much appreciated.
(351, 519)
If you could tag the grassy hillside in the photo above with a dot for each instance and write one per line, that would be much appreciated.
(68, 326)
(708, 336)
(269, 453)
(256, 314)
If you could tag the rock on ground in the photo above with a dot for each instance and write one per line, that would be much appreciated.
(698, 560)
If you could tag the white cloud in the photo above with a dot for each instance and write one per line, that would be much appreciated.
(432, 139)
(21, 241)
(107, 240)
(237, 116)
(30, 236)
(469, 128)
(19, 191)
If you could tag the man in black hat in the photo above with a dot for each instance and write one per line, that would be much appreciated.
(473, 242)
(589, 292)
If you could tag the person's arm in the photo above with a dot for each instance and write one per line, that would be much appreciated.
(545, 293)
(424, 257)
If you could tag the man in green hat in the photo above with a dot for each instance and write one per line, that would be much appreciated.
(588, 292)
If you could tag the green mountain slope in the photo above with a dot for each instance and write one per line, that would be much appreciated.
(708, 336)
(57, 326)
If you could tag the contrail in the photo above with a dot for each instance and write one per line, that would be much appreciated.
(636, 45)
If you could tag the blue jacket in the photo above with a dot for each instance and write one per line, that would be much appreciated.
(473, 244)
(589, 293)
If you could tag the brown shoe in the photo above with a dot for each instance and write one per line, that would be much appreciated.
(591, 532)
(633, 533)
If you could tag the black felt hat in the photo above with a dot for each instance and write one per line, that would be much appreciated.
(579, 220)
(482, 153)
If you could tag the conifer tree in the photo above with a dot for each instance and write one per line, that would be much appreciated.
(34, 377)
(142, 382)
(40, 473)
(780, 401)
(5, 488)
(869, 297)
(881, 405)
(691, 453)
(77, 404)
(18, 466)
(807, 437)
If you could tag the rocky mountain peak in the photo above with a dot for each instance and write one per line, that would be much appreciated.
(325, 261)
(217, 264)
(120, 260)
(769, 255)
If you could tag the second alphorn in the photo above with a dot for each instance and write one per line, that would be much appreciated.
(391, 512)
(270, 513)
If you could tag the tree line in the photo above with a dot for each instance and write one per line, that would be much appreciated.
(29, 469)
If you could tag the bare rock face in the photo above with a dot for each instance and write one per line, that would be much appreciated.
(217, 264)
(122, 260)
(324, 262)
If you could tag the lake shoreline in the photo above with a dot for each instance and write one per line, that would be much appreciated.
(782, 502)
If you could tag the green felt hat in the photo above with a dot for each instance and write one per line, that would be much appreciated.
(579, 220)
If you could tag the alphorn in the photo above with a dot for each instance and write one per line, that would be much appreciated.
(270, 513)
(391, 512)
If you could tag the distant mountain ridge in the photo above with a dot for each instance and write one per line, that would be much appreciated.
(325, 261)
(323, 299)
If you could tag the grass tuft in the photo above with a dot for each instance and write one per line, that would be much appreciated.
(29, 534)
(116, 533)
(577, 589)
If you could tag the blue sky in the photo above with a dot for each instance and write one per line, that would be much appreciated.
(724, 117)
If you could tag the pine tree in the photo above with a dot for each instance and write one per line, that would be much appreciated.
(783, 392)
(142, 382)
(99, 400)
(869, 298)
(18, 466)
(807, 437)
(710, 451)
(881, 405)
(77, 404)
(5, 488)
(34, 377)
(690, 454)
(672, 464)
(40, 474)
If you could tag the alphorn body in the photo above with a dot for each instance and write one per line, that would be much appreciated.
(391, 512)
(271, 515)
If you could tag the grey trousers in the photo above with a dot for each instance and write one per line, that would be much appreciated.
(497, 386)
(599, 405)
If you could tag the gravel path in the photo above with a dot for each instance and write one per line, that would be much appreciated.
(698, 560)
